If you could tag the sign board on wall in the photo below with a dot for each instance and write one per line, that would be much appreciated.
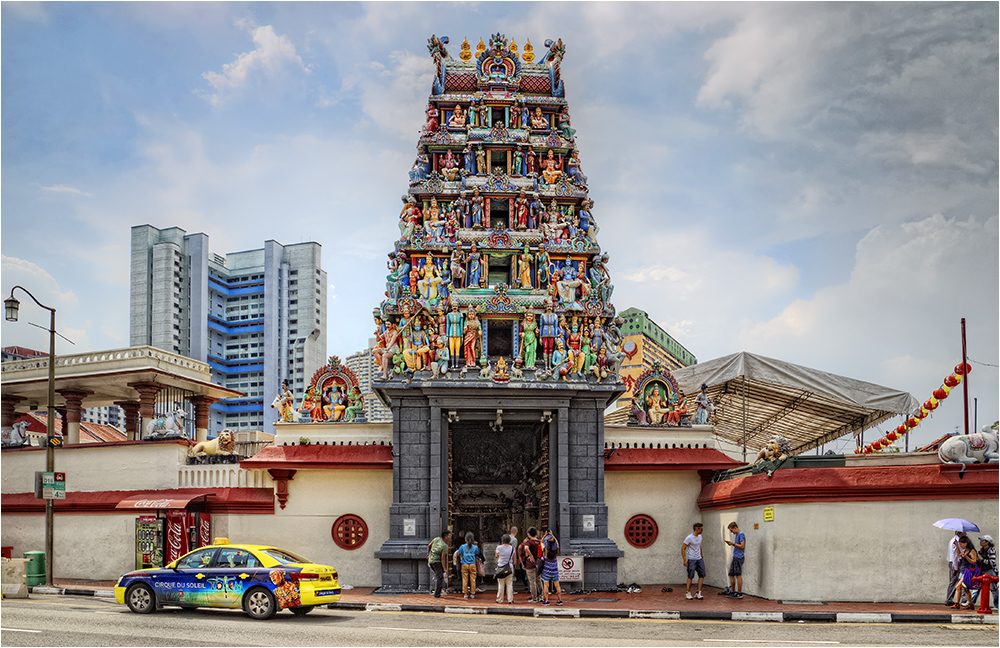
(409, 526)
(769, 514)
(588, 522)
(571, 568)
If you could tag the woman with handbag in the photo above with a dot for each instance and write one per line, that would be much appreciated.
(505, 569)
(469, 552)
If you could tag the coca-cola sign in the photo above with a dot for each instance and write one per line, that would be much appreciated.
(205, 530)
(177, 543)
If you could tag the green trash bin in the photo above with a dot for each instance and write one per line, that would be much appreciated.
(35, 567)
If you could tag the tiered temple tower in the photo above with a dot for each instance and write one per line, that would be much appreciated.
(497, 341)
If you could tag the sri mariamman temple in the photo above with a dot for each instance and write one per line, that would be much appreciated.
(497, 339)
(499, 352)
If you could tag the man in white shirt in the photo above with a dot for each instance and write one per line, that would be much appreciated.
(954, 566)
(693, 562)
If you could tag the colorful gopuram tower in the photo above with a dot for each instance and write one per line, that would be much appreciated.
(497, 340)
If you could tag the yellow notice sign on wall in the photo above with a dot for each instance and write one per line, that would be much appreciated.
(769, 514)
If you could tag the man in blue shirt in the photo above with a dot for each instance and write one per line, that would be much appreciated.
(738, 543)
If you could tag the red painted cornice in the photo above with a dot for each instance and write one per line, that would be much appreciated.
(667, 459)
(321, 457)
(220, 500)
(864, 484)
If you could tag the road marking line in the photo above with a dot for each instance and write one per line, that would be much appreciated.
(769, 641)
(424, 630)
(19, 630)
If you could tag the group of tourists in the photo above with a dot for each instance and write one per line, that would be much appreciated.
(694, 562)
(536, 557)
(966, 563)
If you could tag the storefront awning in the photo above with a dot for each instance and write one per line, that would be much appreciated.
(159, 500)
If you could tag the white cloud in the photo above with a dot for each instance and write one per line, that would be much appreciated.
(64, 189)
(29, 11)
(390, 93)
(31, 277)
(272, 57)
(896, 321)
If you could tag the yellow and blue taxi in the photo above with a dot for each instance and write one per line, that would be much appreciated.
(259, 579)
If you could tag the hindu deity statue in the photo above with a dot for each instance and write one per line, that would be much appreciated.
(427, 286)
(518, 165)
(529, 340)
(433, 223)
(471, 338)
(657, 406)
(573, 169)
(432, 119)
(521, 211)
(457, 267)
(538, 120)
(283, 403)
(530, 163)
(449, 166)
(355, 404)
(524, 269)
(476, 206)
(481, 167)
(565, 131)
(457, 119)
(469, 160)
(477, 268)
(455, 323)
(552, 169)
(421, 167)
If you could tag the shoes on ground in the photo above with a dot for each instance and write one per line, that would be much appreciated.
(726, 592)
(546, 603)
(558, 602)
(688, 596)
(667, 589)
(466, 596)
(698, 595)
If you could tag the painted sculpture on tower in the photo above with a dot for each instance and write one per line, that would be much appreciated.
(498, 264)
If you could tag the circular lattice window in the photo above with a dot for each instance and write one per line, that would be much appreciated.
(349, 531)
(641, 531)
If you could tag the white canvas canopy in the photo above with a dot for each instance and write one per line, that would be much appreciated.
(758, 397)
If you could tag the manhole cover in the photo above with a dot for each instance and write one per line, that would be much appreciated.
(595, 600)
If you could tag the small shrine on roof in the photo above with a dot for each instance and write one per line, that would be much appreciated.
(497, 342)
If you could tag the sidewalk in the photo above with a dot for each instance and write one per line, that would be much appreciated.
(651, 603)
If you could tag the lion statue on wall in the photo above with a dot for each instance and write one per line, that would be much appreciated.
(776, 449)
(224, 444)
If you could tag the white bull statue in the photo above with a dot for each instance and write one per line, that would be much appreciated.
(162, 427)
(970, 448)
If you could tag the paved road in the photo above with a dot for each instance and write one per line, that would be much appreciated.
(82, 621)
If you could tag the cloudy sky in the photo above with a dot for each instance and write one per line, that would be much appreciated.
(813, 182)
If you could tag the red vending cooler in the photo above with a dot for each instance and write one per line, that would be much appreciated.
(149, 541)
(199, 528)
(177, 535)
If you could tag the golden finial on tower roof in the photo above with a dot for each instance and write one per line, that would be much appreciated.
(513, 47)
(480, 48)
(466, 52)
(529, 53)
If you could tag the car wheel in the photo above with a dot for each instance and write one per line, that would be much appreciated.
(259, 603)
(302, 610)
(140, 599)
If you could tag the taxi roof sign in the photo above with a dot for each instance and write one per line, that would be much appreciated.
(221, 541)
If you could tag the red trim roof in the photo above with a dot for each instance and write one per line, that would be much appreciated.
(317, 457)
(220, 500)
(667, 459)
(873, 484)
(157, 500)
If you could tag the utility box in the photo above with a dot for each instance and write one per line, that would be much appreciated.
(13, 578)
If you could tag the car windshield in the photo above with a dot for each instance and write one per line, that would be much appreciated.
(284, 557)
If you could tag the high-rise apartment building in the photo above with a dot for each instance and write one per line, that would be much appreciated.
(364, 367)
(257, 317)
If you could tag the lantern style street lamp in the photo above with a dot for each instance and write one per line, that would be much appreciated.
(11, 306)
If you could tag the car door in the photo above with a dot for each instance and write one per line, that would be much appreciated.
(184, 583)
(232, 573)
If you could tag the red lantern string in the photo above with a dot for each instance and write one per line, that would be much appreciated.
(929, 406)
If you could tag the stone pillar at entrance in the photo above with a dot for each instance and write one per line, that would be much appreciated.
(147, 403)
(131, 409)
(201, 405)
(74, 407)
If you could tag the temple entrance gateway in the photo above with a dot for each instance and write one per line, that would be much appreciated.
(498, 478)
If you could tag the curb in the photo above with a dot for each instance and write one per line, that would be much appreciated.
(687, 615)
(575, 613)
(70, 591)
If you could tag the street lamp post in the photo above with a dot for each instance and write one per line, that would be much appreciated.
(11, 306)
